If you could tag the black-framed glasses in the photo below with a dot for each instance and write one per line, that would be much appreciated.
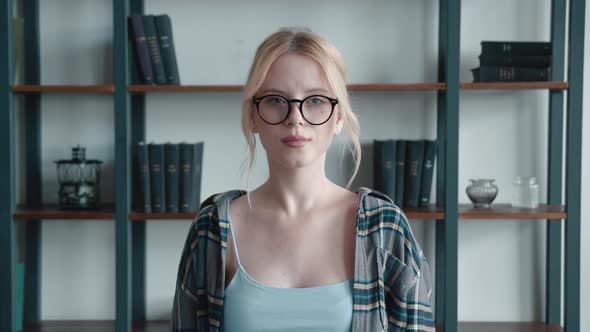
(315, 109)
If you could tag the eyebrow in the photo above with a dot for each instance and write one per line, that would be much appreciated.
(314, 90)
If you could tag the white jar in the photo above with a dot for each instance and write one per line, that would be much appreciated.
(525, 192)
(530, 197)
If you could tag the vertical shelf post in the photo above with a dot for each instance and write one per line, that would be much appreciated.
(554, 166)
(32, 114)
(447, 233)
(7, 172)
(138, 227)
(574, 164)
(122, 167)
(439, 305)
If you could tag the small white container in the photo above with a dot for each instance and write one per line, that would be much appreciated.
(525, 192)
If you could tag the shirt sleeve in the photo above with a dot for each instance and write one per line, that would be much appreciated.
(188, 309)
(419, 313)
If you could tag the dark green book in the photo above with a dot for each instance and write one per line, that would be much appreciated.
(510, 74)
(427, 172)
(515, 60)
(142, 52)
(515, 48)
(400, 169)
(157, 179)
(143, 193)
(413, 174)
(384, 167)
(191, 159)
(164, 28)
(151, 35)
(198, 172)
(171, 176)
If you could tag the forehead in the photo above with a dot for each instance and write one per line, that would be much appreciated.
(295, 73)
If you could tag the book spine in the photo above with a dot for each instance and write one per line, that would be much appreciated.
(171, 182)
(413, 175)
(153, 43)
(142, 52)
(512, 74)
(157, 180)
(198, 153)
(164, 29)
(427, 172)
(143, 163)
(515, 48)
(400, 169)
(186, 153)
(521, 61)
(384, 166)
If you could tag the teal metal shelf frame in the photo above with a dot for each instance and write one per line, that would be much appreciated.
(129, 110)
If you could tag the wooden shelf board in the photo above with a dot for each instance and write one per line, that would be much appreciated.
(504, 327)
(95, 326)
(238, 88)
(506, 211)
(49, 212)
(63, 88)
(184, 88)
(431, 212)
(162, 215)
(398, 87)
(514, 85)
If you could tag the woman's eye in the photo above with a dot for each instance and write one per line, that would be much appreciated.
(316, 100)
(275, 100)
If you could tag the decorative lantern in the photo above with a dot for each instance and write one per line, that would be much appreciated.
(79, 181)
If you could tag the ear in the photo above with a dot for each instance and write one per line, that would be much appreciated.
(339, 123)
(253, 126)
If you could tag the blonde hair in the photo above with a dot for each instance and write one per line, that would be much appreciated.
(304, 42)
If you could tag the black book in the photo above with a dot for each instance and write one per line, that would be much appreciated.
(510, 74)
(384, 167)
(164, 28)
(172, 177)
(515, 48)
(157, 180)
(400, 169)
(142, 52)
(191, 159)
(143, 194)
(151, 35)
(427, 172)
(515, 60)
(413, 175)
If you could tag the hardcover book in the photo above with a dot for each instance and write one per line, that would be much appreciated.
(172, 177)
(164, 27)
(384, 167)
(157, 180)
(142, 53)
(151, 35)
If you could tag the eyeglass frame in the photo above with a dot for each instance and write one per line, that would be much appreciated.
(256, 101)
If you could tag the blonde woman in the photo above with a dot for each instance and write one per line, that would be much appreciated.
(300, 253)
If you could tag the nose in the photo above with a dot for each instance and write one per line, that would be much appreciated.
(295, 116)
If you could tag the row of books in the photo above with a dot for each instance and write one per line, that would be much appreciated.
(169, 177)
(510, 61)
(403, 170)
(151, 36)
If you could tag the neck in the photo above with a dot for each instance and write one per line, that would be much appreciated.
(295, 191)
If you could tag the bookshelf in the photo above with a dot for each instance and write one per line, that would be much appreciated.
(129, 101)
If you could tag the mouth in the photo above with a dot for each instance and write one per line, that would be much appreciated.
(295, 141)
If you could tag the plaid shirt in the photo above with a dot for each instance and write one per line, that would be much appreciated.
(392, 285)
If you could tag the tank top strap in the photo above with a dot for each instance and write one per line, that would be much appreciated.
(233, 234)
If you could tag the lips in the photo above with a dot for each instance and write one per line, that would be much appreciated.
(295, 138)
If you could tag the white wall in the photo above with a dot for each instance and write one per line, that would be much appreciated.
(502, 133)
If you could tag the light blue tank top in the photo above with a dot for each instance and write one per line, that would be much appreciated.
(252, 306)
